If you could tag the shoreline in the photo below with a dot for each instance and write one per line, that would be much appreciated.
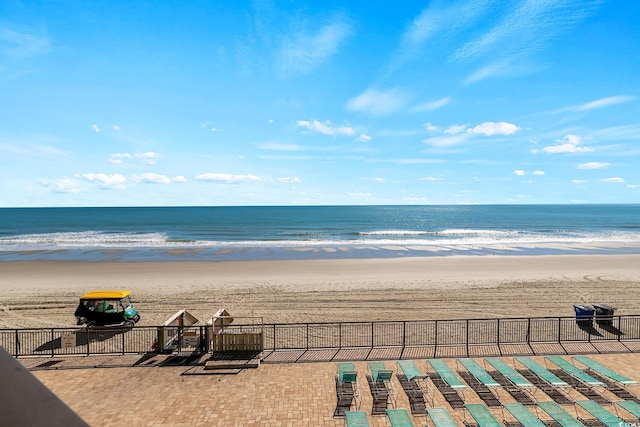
(45, 293)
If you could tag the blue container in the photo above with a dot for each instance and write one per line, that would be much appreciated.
(584, 314)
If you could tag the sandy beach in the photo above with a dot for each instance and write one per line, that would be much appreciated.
(45, 293)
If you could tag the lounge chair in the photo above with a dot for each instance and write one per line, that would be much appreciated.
(450, 377)
(580, 380)
(603, 370)
(599, 413)
(399, 418)
(447, 383)
(356, 419)
(347, 389)
(512, 381)
(631, 407)
(559, 415)
(481, 415)
(479, 380)
(382, 390)
(545, 380)
(523, 415)
(441, 417)
(409, 381)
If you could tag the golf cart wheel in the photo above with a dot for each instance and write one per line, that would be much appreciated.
(129, 324)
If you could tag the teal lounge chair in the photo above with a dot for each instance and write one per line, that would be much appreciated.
(478, 372)
(450, 377)
(514, 377)
(558, 413)
(603, 370)
(599, 413)
(523, 415)
(356, 419)
(630, 406)
(541, 371)
(574, 371)
(379, 372)
(410, 370)
(347, 372)
(441, 417)
(399, 418)
(481, 415)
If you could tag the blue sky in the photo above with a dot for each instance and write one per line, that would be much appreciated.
(332, 102)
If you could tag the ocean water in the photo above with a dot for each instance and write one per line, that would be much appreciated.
(304, 232)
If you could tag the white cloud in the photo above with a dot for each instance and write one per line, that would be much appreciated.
(493, 128)
(227, 178)
(539, 173)
(431, 106)
(105, 180)
(430, 127)
(430, 179)
(364, 138)
(594, 165)
(454, 129)
(569, 145)
(326, 128)
(303, 51)
(578, 181)
(290, 180)
(155, 178)
(148, 158)
(62, 185)
(633, 186)
(613, 179)
(115, 127)
(519, 172)
(605, 102)
(277, 146)
(447, 141)
(95, 128)
(23, 45)
(359, 195)
(377, 103)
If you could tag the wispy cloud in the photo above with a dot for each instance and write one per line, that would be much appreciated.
(290, 180)
(613, 179)
(378, 103)
(594, 165)
(605, 102)
(305, 49)
(326, 128)
(62, 185)
(228, 178)
(155, 178)
(148, 158)
(431, 106)
(23, 44)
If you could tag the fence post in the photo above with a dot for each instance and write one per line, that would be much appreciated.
(559, 330)
(307, 336)
(340, 335)
(371, 335)
(498, 333)
(435, 346)
(404, 334)
(123, 340)
(619, 330)
(467, 337)
(528, 331)
(53, 348)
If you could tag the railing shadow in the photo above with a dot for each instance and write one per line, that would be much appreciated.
(84, 337)
(611, 329)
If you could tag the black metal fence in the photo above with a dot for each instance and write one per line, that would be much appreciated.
(313, 336)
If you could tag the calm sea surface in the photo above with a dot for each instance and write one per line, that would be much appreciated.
(234, 233)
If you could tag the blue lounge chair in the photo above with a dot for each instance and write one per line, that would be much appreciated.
(599, 413)
(603, 370)
(523, 415)
(574, 371)
(558, 413)
(441, 417)
(481, 415)
(410, 370)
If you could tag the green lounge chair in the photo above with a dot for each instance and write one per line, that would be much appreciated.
(541, 371)
(450, 377)
(379, 371)
(574, 371)
(509, 373)
(410, 370)
(478, 372)
(523, 415)
(603, 370)
(600, 413)
(441, 417)
(558, 413)
(347, 372)
(481, 415)
(630, 406)
(399, 418)
(356, 419)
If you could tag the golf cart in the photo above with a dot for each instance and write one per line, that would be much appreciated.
(101, 308)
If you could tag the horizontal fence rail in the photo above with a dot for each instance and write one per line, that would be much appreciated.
(312, 336)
